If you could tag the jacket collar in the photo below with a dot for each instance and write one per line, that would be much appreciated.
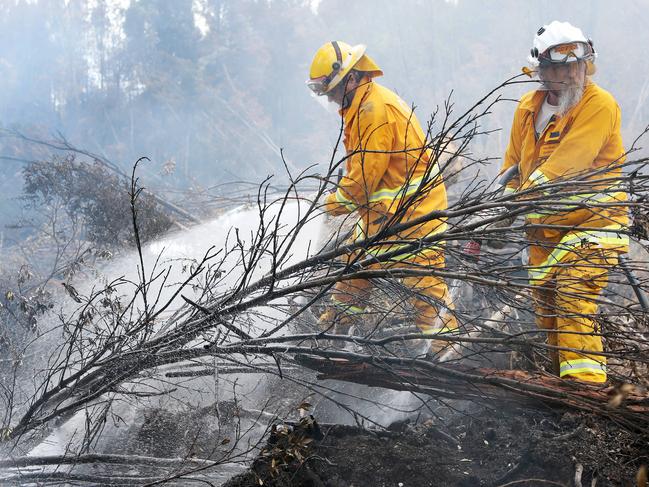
(533, 103)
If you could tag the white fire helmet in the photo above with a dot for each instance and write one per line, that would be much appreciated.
(559, 43)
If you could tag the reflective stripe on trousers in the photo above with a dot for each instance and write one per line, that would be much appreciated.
(566, 305)
(573, 241)
(581, 366)
(576, 202)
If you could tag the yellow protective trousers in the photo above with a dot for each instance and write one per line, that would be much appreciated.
(350, 297)
(566, 304)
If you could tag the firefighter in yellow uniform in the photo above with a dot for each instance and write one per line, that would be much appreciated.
(390, 178)
(567, 134)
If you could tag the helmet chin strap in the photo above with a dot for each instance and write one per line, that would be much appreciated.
(348, 94)
(353, 77)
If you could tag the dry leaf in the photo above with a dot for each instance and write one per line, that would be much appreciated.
(627, 389)
(615, 401)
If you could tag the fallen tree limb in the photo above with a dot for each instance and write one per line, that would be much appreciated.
(458, 381)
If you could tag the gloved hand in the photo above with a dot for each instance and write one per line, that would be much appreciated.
(498, 215)
(500, 220)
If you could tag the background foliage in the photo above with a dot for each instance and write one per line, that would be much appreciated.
(211, 90)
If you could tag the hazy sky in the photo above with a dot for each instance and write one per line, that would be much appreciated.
(243, 94)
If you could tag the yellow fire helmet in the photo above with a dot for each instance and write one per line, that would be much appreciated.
(333, 61)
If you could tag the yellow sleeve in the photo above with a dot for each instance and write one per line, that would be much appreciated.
(368, 161)
(513, 152)
(579, 147)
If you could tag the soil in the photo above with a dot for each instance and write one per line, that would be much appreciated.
(482, 447)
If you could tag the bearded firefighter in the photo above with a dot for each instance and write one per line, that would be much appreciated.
(566, 141)
(390, 178)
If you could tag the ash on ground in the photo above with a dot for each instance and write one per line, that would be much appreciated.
(479, 447)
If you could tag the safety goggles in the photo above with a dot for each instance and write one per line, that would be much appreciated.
(565, 53)
(319, 85)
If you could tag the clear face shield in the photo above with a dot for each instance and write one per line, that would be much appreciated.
(561, 77)
(331, 99)
(564, 66)
(318, 87)
(329, 105)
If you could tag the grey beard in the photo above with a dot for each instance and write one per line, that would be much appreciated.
(569, 97)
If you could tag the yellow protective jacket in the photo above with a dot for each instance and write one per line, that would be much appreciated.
(584, 140)
(388, 170)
